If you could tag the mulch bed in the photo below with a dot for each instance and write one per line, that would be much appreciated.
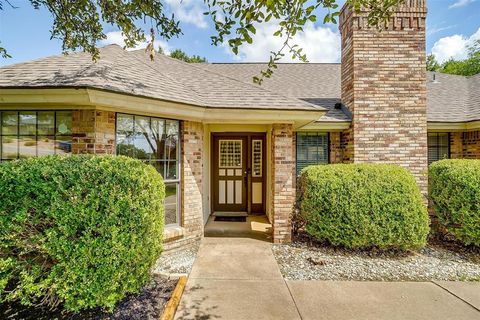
(146, 305)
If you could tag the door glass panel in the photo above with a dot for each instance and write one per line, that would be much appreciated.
(230, 153)
(257, 158)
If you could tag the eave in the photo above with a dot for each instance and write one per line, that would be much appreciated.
(87, 98)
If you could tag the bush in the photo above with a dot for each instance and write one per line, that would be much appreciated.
(454, 189)
(79, 230)
(363, 206)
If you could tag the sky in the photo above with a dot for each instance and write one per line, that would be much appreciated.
(451, 26)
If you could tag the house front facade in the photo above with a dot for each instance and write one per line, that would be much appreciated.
(227, 146)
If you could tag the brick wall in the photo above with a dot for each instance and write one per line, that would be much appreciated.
(282, 180)
(465, 145)
(93, 132)
(335, 151)
(384, 86)
(191, 183)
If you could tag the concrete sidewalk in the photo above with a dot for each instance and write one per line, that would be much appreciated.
(237, 278)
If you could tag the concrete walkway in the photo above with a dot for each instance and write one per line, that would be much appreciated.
(237, 278)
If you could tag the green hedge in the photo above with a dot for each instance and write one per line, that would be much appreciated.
(363, 206)
(80, 230)
(454, 189)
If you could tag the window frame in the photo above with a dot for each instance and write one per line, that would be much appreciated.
(36, 135)
(317, 133)
(438, 146)
(176, 181)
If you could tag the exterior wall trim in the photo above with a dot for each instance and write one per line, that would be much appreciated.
(453, 126)
(82, 98)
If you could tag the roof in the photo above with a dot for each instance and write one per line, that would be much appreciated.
(294, 86)
(450, 98)
(132, 72)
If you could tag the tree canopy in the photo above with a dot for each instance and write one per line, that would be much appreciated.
(79, 24)
(467, 67)
(181, 55)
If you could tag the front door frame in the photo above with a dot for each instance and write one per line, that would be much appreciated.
(248, 136)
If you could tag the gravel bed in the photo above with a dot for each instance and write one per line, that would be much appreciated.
(303, 261)
(177, 262)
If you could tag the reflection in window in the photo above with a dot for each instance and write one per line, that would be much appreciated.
(312, 148)
(438, 146)
(25, 134)
(155, 141)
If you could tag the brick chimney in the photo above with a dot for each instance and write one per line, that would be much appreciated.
(384, 87)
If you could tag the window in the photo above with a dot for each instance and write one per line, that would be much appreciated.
(25, 134)
(154, 141)
(312, 148)
(438, 146)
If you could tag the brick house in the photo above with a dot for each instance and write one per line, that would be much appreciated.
(226, 145)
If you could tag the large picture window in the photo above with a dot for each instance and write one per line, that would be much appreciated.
(438, 146)
(312, 148)
(25, 134)
(155, 141)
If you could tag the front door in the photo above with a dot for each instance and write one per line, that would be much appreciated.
(238, 172)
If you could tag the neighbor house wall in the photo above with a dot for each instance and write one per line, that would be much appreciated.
(384, 87)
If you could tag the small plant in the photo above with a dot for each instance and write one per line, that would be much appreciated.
(29, 143)
(363, 206)
(79, 230)
(454, 191)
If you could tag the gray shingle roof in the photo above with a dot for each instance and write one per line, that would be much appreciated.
(316, 83)
(132, 72)
(309, 87)
(449, 99)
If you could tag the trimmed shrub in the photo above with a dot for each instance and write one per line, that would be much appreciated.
(79, 230)
(363, 206)
(454, 190)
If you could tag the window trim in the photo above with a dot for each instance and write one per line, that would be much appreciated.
(327, 134)
(178, 181)
(437, 145)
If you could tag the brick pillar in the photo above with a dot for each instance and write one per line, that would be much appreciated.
(93, 131)
(282, 179)
(456, 145)
(335, 147)
(192, 174)
(384, 86)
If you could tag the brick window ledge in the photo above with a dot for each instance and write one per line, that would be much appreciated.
(171, 233)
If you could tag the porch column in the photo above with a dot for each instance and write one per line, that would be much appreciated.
(93, 131)
(191, 181)
(282, 180)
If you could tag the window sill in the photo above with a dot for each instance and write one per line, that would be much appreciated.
(171, 233)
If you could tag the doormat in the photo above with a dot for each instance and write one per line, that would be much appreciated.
(231, 219)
